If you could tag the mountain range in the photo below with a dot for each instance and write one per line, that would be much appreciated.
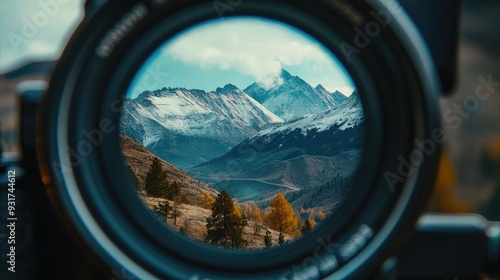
(174, 122)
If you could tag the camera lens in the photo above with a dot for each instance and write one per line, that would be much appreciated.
(242, 140)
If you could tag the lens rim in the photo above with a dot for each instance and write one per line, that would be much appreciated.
(75, 196)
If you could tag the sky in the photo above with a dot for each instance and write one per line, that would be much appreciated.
(239, 51)
(35, 29)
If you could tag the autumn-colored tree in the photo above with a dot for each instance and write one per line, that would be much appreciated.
(256, 219)
(246, 210)
(312, 222)
(206, 201)
(237, 211)
(321, 215)
(224, 227)
(311, 219)
(156, 179)
(266, 217)
(310, 211)
(297, 232)
(282, 217)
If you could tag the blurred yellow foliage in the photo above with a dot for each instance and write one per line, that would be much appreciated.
(443, 198)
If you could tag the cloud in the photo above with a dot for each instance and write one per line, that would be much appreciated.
(252, 47)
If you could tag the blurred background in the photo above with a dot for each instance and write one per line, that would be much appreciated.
(33, 34)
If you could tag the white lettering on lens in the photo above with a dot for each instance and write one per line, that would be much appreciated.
(120, 30)
(357, 241)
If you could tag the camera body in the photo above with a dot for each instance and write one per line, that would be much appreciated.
(41, 246)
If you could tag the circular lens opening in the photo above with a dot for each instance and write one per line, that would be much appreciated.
(244, 133)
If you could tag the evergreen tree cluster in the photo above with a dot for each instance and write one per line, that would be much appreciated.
(157, 183)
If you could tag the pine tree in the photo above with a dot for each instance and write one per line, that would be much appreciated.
(282, 217)
(281, 239)
(206, 201)
(162, 210)
(224, 227)
(268, 240)
(172, 190)
(307, 227)
(156, 179)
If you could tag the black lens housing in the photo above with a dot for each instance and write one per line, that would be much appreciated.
(398, 88)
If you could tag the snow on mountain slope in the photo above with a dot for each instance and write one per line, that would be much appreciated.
(347, 115)
(189, 111)
(293, 98)
(187, 127)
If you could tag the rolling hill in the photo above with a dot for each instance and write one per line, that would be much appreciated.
(139, 159)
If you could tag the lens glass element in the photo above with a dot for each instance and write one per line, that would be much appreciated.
(242, 133)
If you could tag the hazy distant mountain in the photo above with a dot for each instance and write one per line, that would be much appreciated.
(39, 68)
(302, 153)
(189, 127)
(293, 98)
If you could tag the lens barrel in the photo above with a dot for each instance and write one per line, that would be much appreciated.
(82, 166)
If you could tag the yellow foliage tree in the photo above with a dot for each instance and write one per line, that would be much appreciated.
(312, 222)
(206, 201)
(297, 233)
(266, 217)
(321, 215)
(246, 210)
(237, 211)
(256, 219)
(282, 217)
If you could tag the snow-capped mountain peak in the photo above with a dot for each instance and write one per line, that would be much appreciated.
(293, 98)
